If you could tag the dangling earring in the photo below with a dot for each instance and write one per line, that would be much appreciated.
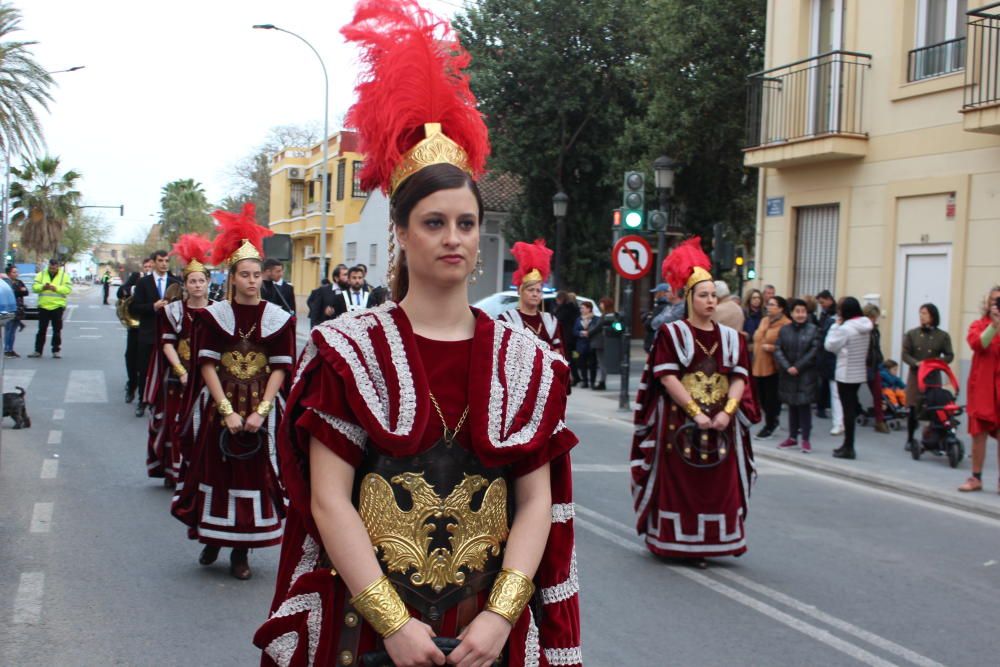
(390, 273)
(478, 271)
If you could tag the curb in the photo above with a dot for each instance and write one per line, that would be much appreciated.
(882, 482)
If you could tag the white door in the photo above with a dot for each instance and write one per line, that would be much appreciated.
(825, 74)
(923, 275)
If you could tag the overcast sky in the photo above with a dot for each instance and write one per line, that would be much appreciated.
(182, 89)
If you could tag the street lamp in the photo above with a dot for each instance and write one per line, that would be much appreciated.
(560, 202)
(664, 169)
(326, 143)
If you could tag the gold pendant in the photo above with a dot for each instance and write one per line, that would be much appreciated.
(244, 367)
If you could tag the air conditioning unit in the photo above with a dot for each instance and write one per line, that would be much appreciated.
(295, 174)
(308, 252)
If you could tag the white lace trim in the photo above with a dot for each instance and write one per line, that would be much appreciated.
(308, 355)
(307, 602)
(563, 512)
(561, 426)
(273, 318)
(222, 313)
(310, 556)
(566, 589)
(564, 656)
(352, 432)
(532, 650)
(283, 648)
(175, 315)
(279, 359)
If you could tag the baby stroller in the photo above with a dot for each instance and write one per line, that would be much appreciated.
(895, 415)
(938, 408)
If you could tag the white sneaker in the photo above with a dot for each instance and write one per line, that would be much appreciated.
(837, 430)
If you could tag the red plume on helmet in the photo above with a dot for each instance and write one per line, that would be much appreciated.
(531, 257)
(412, 74)
(681, 262)
(192, 247)
(233, 229)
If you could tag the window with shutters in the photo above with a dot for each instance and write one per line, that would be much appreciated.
(356, 189)
(341, 178)
(351, 253)
(816, 248)
(372, 255)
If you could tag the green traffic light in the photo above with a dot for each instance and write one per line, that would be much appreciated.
(617, 326)
(633, 220)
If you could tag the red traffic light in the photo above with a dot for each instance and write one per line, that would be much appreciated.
(616, 218)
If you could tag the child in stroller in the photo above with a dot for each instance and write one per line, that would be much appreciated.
(893, 398)
(938, 408)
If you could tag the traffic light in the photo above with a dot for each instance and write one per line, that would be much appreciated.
(658, 220)
(634, 200)
(739, 261)
(723, 252)
(616, 218)
(751, 271)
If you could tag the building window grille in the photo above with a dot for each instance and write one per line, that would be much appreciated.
(816, 248)
(940, 39)
(356, 189)
(341, 179)
(372, 254)
(351, 253)
(297, 197)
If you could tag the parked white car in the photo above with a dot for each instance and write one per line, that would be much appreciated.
(500, 302)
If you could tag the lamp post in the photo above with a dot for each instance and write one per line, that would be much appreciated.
(560, 202)
(664, 169)
(324, 187)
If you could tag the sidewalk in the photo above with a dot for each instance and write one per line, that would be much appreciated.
(882, 461)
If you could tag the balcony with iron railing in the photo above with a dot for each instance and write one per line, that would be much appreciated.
(807, 111)
(981, 107)
(935, 60)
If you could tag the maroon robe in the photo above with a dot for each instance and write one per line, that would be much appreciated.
(685, 511)
(363, 381)
(227, 501)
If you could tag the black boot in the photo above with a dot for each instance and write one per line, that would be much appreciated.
(129, 392)
(239, 566)
(844, 453)
(140, 409)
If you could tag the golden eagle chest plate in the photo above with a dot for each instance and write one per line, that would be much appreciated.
(245, 363)
(184, 349)
(706, 385)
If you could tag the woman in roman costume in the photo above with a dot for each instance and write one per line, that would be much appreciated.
(231, 494)
(422, 427)
(169, 368)
(692, 465)
(533, 268)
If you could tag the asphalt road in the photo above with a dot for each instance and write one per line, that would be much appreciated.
(94, 571)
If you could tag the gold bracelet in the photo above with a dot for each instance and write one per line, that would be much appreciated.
(264, 408)
(179, 370)
(692, 409)
(224, 407)
(382, 607)
(732, 405)
(510, 594)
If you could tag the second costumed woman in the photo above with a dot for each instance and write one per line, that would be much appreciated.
(422, 427)
(231, 494)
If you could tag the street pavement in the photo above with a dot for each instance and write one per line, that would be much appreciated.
(94, 571)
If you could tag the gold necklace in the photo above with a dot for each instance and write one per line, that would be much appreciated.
(246, 335)
(537, 331)
(449, 434)
(708, 353)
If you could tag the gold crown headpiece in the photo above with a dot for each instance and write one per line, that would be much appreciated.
(194, 266)
(434, 148)
(246, 251)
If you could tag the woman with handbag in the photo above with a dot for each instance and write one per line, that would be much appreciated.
(16, 324)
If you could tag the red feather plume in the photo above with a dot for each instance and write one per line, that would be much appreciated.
(412, 74)
(191, 247)
(531, 256)
(679, 264)
(233, 228)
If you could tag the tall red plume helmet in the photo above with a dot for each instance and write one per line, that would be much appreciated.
(532, 258)
(239, 236)
(193, 251)
(682, 262)
(412, 75)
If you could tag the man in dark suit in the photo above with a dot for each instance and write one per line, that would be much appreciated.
(148, 297)
(275, 289)
(132, 335)
(355, 297)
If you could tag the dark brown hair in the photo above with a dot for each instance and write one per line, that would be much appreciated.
(422, 184)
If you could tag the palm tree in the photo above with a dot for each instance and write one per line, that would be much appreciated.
(23, 83)
(43, 202)
(184, 208)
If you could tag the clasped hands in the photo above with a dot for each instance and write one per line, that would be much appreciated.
(482, 641)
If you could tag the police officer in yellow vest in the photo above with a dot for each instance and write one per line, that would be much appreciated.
(51, 286)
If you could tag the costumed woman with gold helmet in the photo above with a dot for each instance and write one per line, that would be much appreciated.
(422, 427)
(692, 464)
(170, 363)
(243, 346)
(534, 262)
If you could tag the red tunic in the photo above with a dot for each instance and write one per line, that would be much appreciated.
(546, 328)
(983, 398)
(682, 510)
(364, 380)
(228, 501)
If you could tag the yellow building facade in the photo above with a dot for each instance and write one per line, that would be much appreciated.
(876, 128)
(295, 209)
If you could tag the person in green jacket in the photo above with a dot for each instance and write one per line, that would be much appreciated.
(52, 286)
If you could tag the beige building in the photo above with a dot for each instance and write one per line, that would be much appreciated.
(876, 128)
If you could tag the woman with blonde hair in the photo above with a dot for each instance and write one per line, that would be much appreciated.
(983, 395)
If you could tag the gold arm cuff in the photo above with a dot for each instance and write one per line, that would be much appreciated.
(732, 405)
(382, 607)
(179, 370)
(264, 408)
(510, 594)
(692, 408)
(224, 407)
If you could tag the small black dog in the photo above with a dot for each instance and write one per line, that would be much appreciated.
(14, 407)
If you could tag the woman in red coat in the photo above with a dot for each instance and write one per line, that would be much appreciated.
(984, 387)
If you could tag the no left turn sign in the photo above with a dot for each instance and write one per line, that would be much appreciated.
(632, 257)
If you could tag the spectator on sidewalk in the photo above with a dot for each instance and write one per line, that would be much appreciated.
(567, 312)
(52, 287)
(768, 294)
(673, 312)
(873, 362)
(765, 369)
(893, 388)
(606, 319)
(660, 302)
(849, 338)
(586, 361)
(728, 312)
(984, 392)
(927, 341)
(811, 307)
(826, 364)
(795, 355)
(753, 311)
(16, 324)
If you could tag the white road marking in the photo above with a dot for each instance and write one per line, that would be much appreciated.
(55, 437)
(28, 600)
(93, 306)
(41, 518)
(98, 322)
(50, 469)
(70, 311)
(58, 414)
(89, 328)
(812, 631)
(90, 336)
(600, 467)
(989, 563)
(86, 387)
(17, 377)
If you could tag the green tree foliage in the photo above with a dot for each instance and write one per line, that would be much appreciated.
(24, 84)
(43, 200)
(184, 209)
(83, 232)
